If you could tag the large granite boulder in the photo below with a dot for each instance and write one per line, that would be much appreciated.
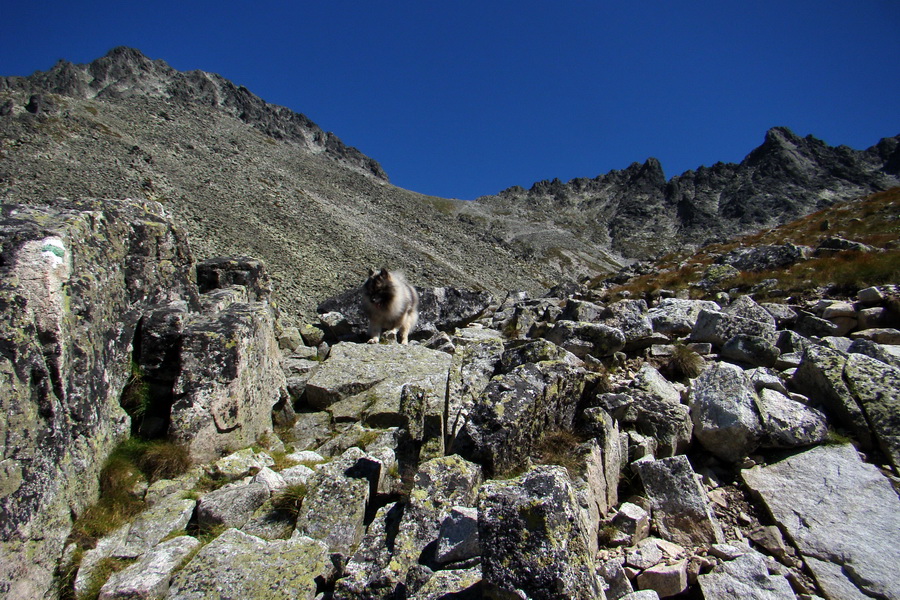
(237, 565)
(676, 316)
(400, 547)
(472, 367)
(858, 392)
(719, 327)
(534, 538)
(149, 577)
(821, 376)
(582, 338)
(517, 409)
(680, 508)
(842, 514)
(746, 577)
(656, 410)
(787, 423)
(376, 384)
(723, 408)
(876, 387)
(230, 380)
(764, 258)
(334, 508)
(77, 278)
(631, 318)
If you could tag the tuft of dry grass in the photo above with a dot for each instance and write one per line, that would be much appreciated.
(164, 460)
(560, 447)
(290, 499)
(685, 363)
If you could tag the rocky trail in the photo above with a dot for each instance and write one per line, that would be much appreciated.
(575, 445)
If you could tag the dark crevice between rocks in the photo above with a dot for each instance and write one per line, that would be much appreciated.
(147, 398)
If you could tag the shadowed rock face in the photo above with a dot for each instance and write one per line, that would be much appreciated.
(77, 277)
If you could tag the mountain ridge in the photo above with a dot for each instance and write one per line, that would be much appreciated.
(782, 179)
(125, 72)
(245, 177)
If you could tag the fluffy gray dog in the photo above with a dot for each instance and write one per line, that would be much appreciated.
(391, 304)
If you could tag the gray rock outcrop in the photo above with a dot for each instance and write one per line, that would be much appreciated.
(239, 565)
(826, 499)
(78, 277)
(683, 514)
(534, 538)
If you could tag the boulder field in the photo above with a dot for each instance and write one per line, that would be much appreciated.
(565, 446)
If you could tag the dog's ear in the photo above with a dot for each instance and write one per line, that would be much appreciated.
(371, 271)
(384, 272)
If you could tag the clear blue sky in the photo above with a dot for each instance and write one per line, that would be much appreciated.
(465, 98)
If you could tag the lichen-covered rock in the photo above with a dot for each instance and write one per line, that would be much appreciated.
(458, 537)
(516, 409)
(581, 310)
(77, 278)
(653, 406)
(765, 257)
(384, 386)
(440, 484)
(676, 316)
(242, 463)
(787, 423)
(680, 508)
(472, 368)
(168, 516)
(335, 506)
(227, 271)
(600, 425)
(631, 318)
(366, 574)
(887, 354)
(746, 307)
(237, 565)
(583, 338)
(719, 327)
(231, 505)
(751, 350)
(149, 577)
(518, 353)
(876, 387)
(230, 380)
(534, 538)
(723, 408)
(451, 583)
(821, 376)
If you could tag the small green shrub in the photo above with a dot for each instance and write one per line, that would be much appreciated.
(136, 395)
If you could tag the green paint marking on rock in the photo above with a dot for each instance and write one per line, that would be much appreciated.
(57, 250)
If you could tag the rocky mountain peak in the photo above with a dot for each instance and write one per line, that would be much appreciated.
(638, 214)
(125, 73)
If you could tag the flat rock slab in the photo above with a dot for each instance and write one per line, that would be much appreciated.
(843, 515)
(237, 565)
(373, 377)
